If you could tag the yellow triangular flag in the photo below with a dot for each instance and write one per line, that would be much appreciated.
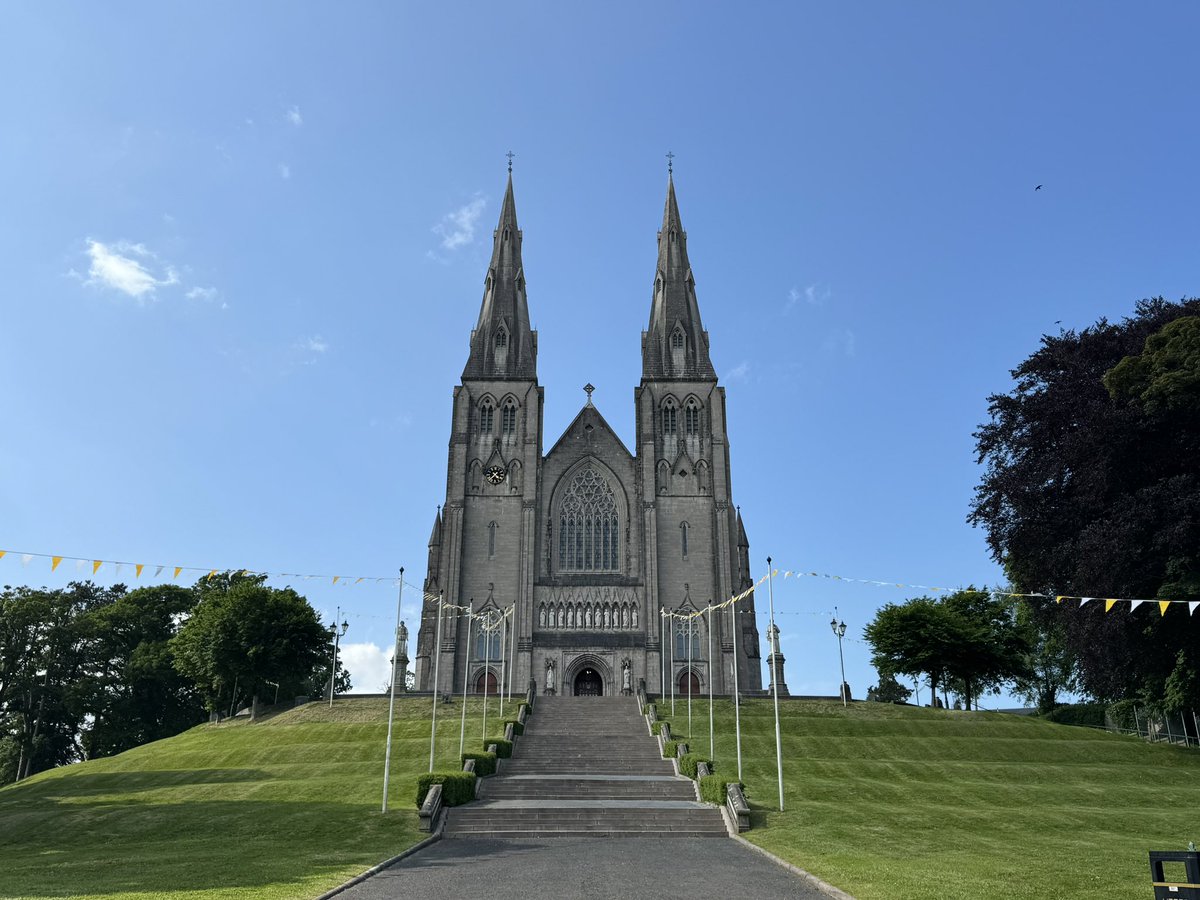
(1162, 606)
(138, 570)
(1059, 599)
(2, 552)
(178, 569)
(335, 578)
(96, 564)
(54, 561)
(1109, 604)
(360, 579)
(212, 574)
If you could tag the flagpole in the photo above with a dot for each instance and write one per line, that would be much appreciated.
(503, 670)
(437, 658)
(387, 756)
(772, 643)
(462, 728)
(691, 634)
(486, 634)
(737, 700)
(708, 625)
(512, 650)
(662, 652)
(671, 619)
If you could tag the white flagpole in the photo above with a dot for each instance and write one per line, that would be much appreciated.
(503, 669)
(462, 728)
(691, 633)
(387, 756)
(737, 700)
(486, 634)
(671, 619)
(662, 652)
(708, 625)
(512, 650)
(775, 680)
(437, 658)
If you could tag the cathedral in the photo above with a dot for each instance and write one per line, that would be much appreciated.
(588, 542)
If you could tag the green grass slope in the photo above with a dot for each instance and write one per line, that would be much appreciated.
(899, 803)
(287, 807)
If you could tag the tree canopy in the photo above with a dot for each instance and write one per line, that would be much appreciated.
(1092, 487)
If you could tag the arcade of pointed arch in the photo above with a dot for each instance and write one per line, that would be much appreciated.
(590, 609)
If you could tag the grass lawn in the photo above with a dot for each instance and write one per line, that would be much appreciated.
(899, 803)
(287, 807)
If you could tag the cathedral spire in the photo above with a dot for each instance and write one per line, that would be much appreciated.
(502, 344)
(676, 344)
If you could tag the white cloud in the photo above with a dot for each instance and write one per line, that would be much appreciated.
(207, 294)
(128, 268)
(368, 665)
(457, 228)
(813, 294)
(740, 372)
(285, 171)
(293, 116)
(314, 344)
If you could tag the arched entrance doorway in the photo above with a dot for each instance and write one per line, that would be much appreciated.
(588, 683)
(487, 682)
(689, 684)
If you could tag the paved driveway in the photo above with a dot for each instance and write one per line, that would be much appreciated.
(592, 868)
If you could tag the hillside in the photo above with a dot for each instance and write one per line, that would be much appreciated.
(900, 803)
(287, 807)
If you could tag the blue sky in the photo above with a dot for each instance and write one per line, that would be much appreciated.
(243, 247)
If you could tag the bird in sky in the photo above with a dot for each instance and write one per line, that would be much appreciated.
(1038, 188)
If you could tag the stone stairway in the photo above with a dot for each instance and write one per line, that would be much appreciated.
(585, 767)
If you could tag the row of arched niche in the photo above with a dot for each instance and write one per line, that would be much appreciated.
(592, 616)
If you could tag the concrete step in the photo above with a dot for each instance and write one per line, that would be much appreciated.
(597, 789)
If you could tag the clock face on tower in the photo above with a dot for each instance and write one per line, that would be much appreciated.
(494, 474)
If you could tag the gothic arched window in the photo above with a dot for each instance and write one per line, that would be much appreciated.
(677, 340)
(691, 417)
(670, 417)
(486, 415)
(508, 417)
(588, 524)
(685, 628)
(501, 340)
(683, 537)
(492, 526)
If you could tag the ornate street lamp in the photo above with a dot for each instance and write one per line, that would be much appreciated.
(336, 637)
(839, 628)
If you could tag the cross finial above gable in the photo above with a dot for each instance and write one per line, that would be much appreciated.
(588, 390)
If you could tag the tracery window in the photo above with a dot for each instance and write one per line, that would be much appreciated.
(685, 628)
(486, 415)
(501, 340)
(482, 648)
(691, 418)
(677, 340)
(508, 418)
(588, 524)
(670, 417)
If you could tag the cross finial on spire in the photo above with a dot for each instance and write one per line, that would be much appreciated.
(510, 156)
(588, 390)
(670, 162)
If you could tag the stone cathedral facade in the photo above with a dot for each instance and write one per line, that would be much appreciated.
(589, 540)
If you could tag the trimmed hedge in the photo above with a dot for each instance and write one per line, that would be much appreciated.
(658, 726)
(1078, 714)
(503, 747)
(485, 763)
(457, 787)
(669, 749)
(688, 762)
(712, 788)
(518, 728)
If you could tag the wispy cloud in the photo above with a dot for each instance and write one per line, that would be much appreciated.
(129, 268)
(293, 116)
(285, 171)
(207, 294)
(457, 228)
(813, 295)
(315, 344)
(740, 372)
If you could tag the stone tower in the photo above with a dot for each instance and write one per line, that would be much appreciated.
(589, 541)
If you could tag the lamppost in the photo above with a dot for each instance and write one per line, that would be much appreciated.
(333, 633)
(839, 628)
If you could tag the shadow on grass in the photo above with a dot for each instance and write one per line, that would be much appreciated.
(66, 849)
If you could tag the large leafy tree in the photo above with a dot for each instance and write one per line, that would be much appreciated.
(243, 635)
(1092, 487)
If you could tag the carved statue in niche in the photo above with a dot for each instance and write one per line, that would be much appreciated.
(626, 677)
(549, 689)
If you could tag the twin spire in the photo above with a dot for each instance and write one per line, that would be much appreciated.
(674, 346)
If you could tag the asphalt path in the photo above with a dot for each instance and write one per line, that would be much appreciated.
(592, 868)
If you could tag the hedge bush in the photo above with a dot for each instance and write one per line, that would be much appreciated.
(1078, 714)
(457, 787)
(1121, 715)
(658, 726)
(712, 788)
(688, 762)
(503, 747)
(485, 763)
(518, 728)
(669, 749)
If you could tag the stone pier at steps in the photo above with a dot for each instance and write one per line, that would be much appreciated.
(585, 766)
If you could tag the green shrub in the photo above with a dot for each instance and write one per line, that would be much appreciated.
(688, 762)
(485, 763)
(518, 728)
(457, 787)
(669, 749)
(503, 747)
(658, 726)
(712, 788)
(1078, 714)
(1121, 715)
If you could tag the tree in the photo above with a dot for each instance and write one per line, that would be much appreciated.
(889, 690)
(243, 634)
(918, 637)
(1092, 488)
(1050, 666)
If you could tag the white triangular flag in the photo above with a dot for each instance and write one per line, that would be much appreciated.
(1083, 600)
(26, 558)
(158, 571)
(1192, 604)
(1134, 604)
(118, 572)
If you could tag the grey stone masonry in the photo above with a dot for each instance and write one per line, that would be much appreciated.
(585, 766)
